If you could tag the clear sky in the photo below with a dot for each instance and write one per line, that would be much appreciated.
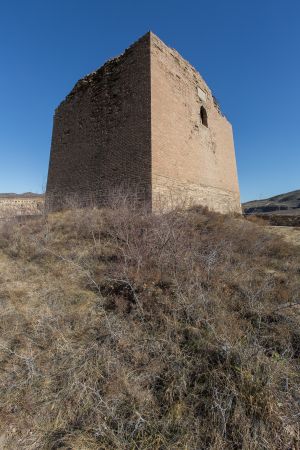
(247, 51)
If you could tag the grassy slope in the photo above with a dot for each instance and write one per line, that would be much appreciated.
(129, 331)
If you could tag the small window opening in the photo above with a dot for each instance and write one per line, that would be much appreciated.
(203, 116)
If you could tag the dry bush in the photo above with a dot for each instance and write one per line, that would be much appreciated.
(125, 329)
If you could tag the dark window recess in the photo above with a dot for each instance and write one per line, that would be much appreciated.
(203, 116)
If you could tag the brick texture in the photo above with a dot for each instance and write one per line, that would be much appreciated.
(136, 123)
(189, 159)
(101, 134)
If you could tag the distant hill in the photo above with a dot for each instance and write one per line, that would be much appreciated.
(25, 194)
(283, 204)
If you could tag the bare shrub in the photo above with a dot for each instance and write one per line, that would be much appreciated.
(122, 328)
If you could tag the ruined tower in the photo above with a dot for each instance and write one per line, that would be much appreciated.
(148, 122)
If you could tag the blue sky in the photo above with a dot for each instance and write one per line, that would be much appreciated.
(247, 51)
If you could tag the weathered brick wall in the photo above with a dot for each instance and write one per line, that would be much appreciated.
(189, 159)
(16, 206)
(101, 134)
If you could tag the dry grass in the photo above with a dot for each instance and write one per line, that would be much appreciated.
(289, 234)
(122, 329)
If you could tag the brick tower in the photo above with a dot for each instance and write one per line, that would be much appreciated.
(147, 122)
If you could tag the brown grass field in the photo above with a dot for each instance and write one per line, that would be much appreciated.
(122, 329)
(289, 234)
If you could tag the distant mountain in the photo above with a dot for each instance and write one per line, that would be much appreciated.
(283, 204)
(25, 194)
